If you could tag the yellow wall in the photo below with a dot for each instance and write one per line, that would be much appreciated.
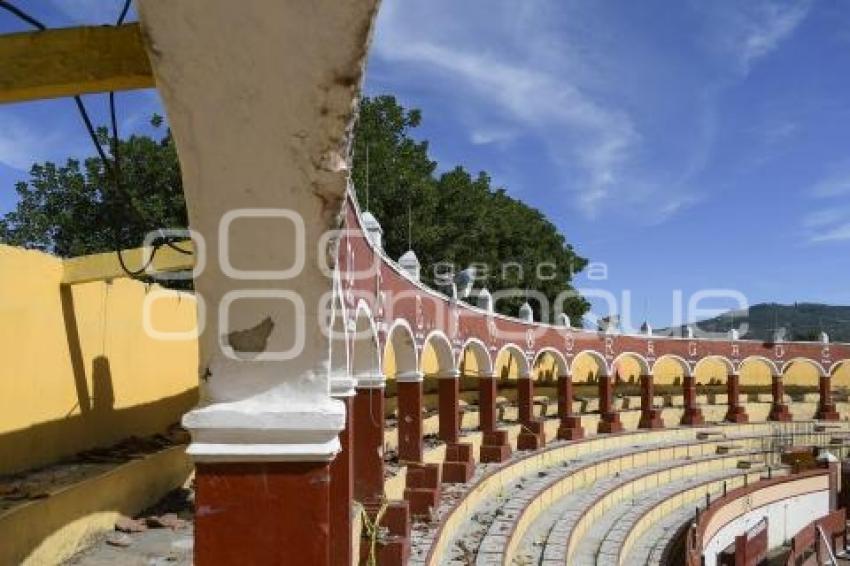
(78, 370)
(585, 368)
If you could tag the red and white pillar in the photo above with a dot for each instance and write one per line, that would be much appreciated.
(650, 417)
(422, 490)
(342, 478)
(609, 419)
(531, 436)
(778, 409)
(368, 453)
(826, 406)
(692, 414)
(459, 464)
(570, 425)
(735, 413)
(265, 436)
(494, 443)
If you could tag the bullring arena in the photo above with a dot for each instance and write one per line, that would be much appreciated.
(412, 427)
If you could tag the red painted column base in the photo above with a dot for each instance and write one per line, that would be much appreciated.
(571, 429)
(609, 423)
(393, 549)
(692, 416)
(460, 464)
(495, 447)
(827, 413)
(779, 413)
(532, 436)
(737, 415)
(651, 419)
(262, 513)
(422, 491)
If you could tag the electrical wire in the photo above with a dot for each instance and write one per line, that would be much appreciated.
(112, 167)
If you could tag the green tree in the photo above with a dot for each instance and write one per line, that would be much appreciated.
(456, 217)
(75, 209)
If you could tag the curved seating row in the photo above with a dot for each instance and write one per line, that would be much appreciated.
(497, 516)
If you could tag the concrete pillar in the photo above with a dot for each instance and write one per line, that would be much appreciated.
(826, 407)
(262, 133)
(494, 443)
(422, 487)
(736, 413)
(342, 478)
(368, 453)
(650, 417)
(409, 397)
(459, 465)
(692, 414)
(778, 409)
(570, 426)
(609, 419)
(531, 436)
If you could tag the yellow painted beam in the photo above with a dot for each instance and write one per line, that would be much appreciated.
(101, 267)
(68, 61)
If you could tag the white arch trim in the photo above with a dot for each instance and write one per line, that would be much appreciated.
(523, 370)
(480, 352)
(366, 346)
(815, 364)
(730, 367)
(406, 359)
(604, 370)
(683, 363)
(774, 370)
(443, 349)
(560, 360)
(642, 362)
(837, 365)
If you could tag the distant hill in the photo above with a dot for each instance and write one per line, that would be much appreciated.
(800, 321)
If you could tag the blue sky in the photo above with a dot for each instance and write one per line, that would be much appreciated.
(685, 145)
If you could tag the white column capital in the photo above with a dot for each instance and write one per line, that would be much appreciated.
(372, 381)
(449, 374)
(266, 430)
(342, 386)
(410, 377)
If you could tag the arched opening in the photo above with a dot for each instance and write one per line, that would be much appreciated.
(404, 381)
(368, 408)
(633, 376)
(509, 366)
(589, 368)
(801, 377)
(550, 363)
(840, 376)
(400, 357)
(365, 352)
(339, 355)
(716, 383)
(547, 370)
(761, 381)
(670, 371)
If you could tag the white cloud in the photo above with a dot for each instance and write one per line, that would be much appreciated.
(836, 233)
(528, 85)
(22, 144)
(750, 31)
(832, 186)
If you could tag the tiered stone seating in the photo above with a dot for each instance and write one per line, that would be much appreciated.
(588, 501)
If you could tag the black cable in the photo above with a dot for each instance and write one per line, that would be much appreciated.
(123, 13)
(22, 15)
(111, 167)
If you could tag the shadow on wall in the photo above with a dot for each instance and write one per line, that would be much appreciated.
(79, 371)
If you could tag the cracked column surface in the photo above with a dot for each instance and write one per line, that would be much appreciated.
(261, 96)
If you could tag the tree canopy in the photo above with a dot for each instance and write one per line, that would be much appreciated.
(455, 218)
